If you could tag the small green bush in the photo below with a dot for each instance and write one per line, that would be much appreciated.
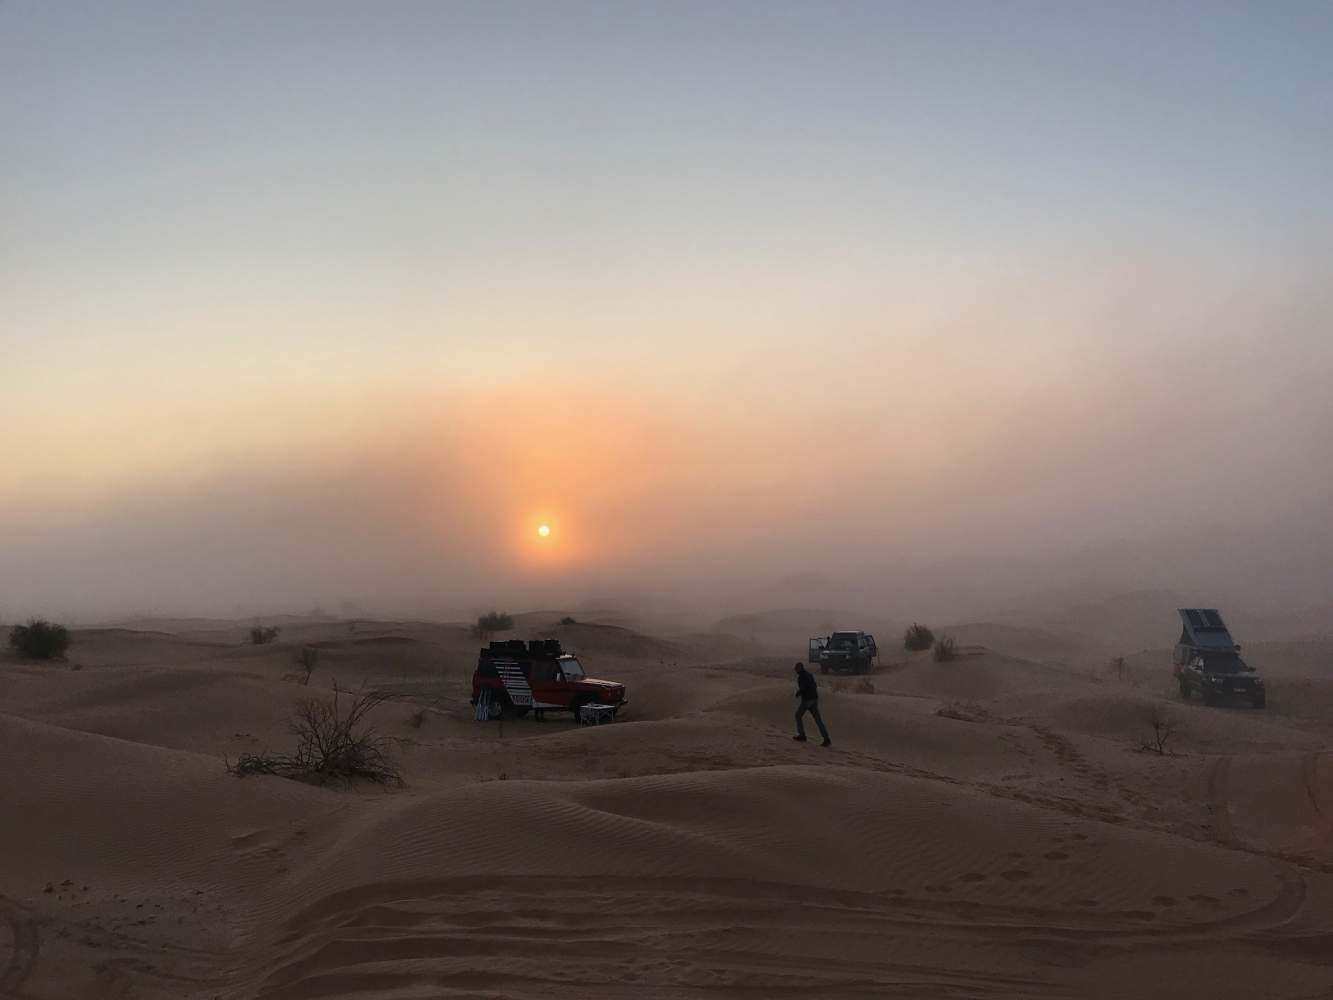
(917, 638)
(491, 622)
(40, 639)
(945, 650)
(262, 636)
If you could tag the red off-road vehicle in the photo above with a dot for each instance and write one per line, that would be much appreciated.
(514, 677)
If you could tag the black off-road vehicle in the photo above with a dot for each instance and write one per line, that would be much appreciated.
(1207, 660)
(853, 651)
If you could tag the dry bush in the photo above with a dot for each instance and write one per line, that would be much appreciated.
(334, 743)
(253, 763)
(491, 622)
(261, 635)
(864, 686)
(944, 650)
(917, 638)
(417, 718)
(1163, 728)
(40, 639)
(962, 712)
(567, 620)
(306, 658)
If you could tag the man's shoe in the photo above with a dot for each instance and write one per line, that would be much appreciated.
(827, 743)
(799, 739)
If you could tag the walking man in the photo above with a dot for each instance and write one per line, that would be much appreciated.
(808, 691)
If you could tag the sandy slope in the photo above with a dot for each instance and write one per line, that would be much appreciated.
(985, 828)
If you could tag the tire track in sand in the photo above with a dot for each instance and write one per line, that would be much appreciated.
(1219, 802)
(633, 937)
(1310, 779)
(23, 946)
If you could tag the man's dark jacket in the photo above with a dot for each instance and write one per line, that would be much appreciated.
(806, 686)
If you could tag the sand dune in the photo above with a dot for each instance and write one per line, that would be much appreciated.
(982, 828)
(689, 883)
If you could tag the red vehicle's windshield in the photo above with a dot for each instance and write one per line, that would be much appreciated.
(572, 668)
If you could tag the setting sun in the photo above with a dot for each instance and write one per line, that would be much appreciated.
(544, 530)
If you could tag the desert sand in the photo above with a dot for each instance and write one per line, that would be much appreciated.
(988, 827)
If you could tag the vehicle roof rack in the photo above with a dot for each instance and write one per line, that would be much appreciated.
(545, 648)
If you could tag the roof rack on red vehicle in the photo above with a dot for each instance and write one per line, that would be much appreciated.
(545, 648)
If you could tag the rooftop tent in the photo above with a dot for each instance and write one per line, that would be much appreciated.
(1204, 629)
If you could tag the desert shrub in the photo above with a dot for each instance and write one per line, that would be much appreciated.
(567, 620)
(865, 686)
(417, 718)
(944, 650)
(253, 763)
(334, 743)
(917, 638)
(262, 635)
(40, 639)
(306, 659)
(1163, 728)
(962, 712)
(491, 622)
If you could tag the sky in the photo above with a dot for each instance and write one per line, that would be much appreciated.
(935, 305)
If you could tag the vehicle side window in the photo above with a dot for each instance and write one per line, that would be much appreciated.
(543, 671)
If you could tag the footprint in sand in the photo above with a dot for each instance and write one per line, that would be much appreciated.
(1163, 901)
(1015, 875)
(972, 877)
(1056, 856)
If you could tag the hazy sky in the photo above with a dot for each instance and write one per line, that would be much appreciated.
(310, 301)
